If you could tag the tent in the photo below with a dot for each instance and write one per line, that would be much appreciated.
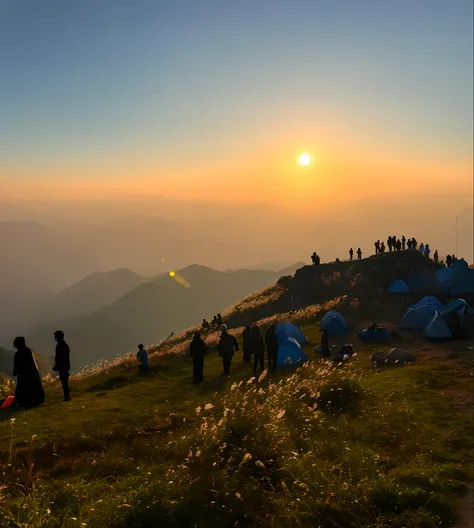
(445, 275)
(330, 315)
(290, 353)
(382, 335)
(437, 328)
(398, 286)
(425, 282)
(286, 330)
(462, 282)
(457, 304)
(334, 323)
(429, 300)
(417, 317)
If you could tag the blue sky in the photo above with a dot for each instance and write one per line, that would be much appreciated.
(93, 78)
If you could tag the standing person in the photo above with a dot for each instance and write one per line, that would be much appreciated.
(351, 254)
(421, 249)
(214, 322)
(227, 346)
(409, 243)
(382, 248)
(219, 319)
(404, 241)
(436, 256)
(399, 245)
(389, 243)
(414, 243)
(142, 356)
(62, 364)
(247, 344)
(359, 254)
(29, 391)
(449, 261)
(427, 251)
(313, 258)
(325, 343)
(271, 343)
(197, 350)
(205, 325)
(377, 247)
(258, 349)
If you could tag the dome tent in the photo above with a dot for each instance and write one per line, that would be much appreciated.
(334, 323)
(284, 331)
(290, 353)
(437, 328)
(430, 300)
(457, 304)
(417, 317)
(462, 282)
(381, 335)
(398, 286)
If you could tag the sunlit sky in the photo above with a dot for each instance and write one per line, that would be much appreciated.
(216, 99)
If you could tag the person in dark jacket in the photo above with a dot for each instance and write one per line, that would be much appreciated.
(325, 343)
(197, 349)
(351, 254)
(436, 256)
(404, 242)
(247, 344)
(449, 260)
(359, 254)
(219, 319)
(62, 363)
(258, 347)
(271, 343)
(227, 346)
(29, 390)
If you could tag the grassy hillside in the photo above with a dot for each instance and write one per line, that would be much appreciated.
(151, 311)
(322, 446)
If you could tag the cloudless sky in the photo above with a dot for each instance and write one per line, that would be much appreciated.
(180, 96)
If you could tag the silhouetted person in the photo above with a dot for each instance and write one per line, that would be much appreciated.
(449, 261)
(421, 249)
(205, 324)
(351, 253)
(409, 243)
(214, 322)
(313, 258)
(258, 347)
(359, 254)
(377, 247)
(404, 241)
(382, 248)
(227, 346)
(399, 245)
(142, 356)
(29, 391)
(394, 242)
(373, 327)
(197, 350)
(389, 243)
(271, 343)
(317, 260)
(454, 258)
(427, 251)
(62, 363)
(436, 257)
(247, 344)
(414, 243)
(325, 343)
(219, 319)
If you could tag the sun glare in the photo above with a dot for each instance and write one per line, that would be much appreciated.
(172, 273)
(304, 159)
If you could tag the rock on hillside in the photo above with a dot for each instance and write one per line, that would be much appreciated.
(367, 280)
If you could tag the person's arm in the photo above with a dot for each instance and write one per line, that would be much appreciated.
(236, 345)
(55, 367)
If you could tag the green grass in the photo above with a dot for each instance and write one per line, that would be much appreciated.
(323, 446)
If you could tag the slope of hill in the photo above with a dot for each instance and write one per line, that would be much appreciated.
(320, 446)
(151, 311)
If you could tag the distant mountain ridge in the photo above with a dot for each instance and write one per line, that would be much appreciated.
(152, 310)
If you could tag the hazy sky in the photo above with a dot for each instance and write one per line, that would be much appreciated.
(215, 99)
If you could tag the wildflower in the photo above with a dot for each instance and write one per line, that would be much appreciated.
(208, 406)
(281, 414)
(260, 464)
(251, 380)
(234, 386)
(198, 410)
(246, 458)
(238, 495)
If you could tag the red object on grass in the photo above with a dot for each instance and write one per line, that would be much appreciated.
(7, 402)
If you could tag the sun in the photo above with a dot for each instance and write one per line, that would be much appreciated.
(304, 159)
(172, 273)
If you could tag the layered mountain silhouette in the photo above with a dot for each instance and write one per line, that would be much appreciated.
(153, 310)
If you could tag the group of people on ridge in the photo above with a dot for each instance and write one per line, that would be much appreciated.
(29, 390)
(315, 258)
(351, 254)
(215, 323)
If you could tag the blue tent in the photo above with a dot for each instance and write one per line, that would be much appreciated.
(425, 282)
(457, 304)
(463, 282)
(437, 328)
(330, 315)
(418, 317)
(286, 330)
(460, 265)
(382, 335)
(290, 353)
(445, 275)
(429, 300)
(399, 286)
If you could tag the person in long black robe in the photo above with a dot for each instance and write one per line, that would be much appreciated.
(29, 390)
(197, 349)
